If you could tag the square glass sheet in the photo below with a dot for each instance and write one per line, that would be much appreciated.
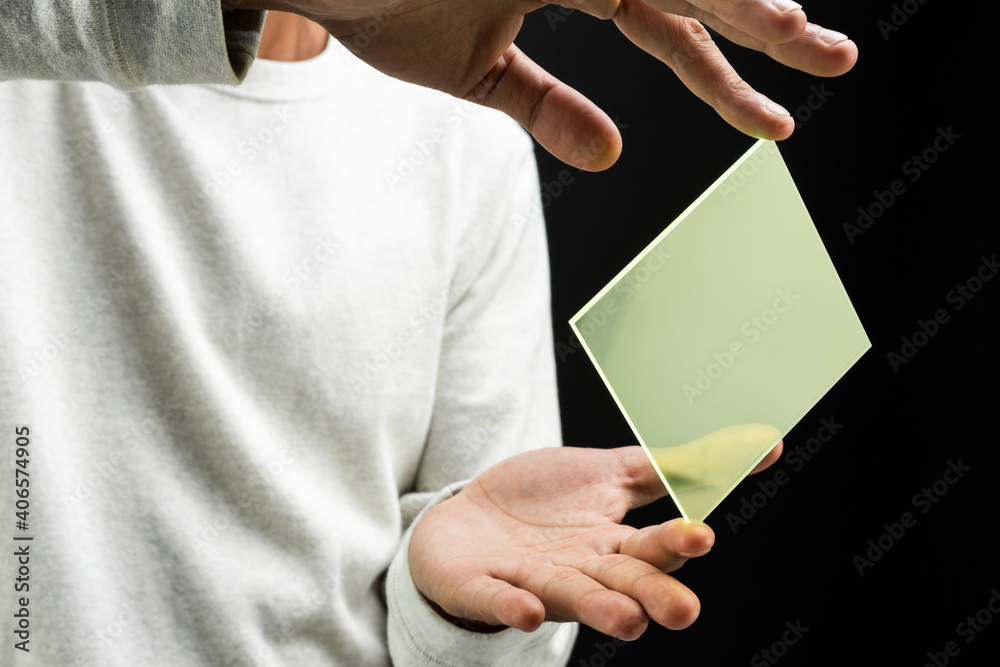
(724, 332)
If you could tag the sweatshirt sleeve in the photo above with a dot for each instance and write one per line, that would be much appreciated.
(496, 397)
(127, 43)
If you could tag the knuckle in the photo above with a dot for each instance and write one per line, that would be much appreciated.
(602, 9)
(613, 562)
(692, 42)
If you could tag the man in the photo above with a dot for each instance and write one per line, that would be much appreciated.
(277, 360)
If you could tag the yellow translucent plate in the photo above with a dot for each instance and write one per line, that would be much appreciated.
(720, 336)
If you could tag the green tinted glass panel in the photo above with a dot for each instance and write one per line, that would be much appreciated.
(724, 331)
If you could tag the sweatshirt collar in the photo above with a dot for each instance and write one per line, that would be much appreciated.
(272, 80)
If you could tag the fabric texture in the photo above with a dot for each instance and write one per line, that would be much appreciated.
(127, 43)
(254, 332)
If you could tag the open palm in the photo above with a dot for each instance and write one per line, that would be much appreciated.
(538, 537)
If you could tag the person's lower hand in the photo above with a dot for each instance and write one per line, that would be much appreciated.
(538, 537)
(465, 48)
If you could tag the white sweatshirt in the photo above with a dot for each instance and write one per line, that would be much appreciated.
(248, 334)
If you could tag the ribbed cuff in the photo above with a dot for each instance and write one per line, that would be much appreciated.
(162, 42)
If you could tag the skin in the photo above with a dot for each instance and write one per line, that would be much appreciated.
(465, 48)
(291, 38)
(539, 536)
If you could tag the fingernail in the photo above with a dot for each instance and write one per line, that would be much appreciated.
(832, 37)
(693, 554)
(777, 110)
(785, 6)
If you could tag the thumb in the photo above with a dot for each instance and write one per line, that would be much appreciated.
(638, 477)
(563, 121)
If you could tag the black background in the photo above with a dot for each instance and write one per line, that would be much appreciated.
(794, 561)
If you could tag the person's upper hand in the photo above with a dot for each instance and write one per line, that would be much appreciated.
(538, 537)
(465, 48)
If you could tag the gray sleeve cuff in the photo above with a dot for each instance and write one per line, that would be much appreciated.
(419, 636)
(126, 43)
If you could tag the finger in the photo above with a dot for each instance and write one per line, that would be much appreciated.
(761, 25)
(602, 9)
(669, 545)
(570, 595)
(818, 51)
(771, 21)
(666, 600)
(496, 602)
(564, 122)
(770, 458)
(685, 46)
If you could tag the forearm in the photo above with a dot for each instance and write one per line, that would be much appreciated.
(127, 44)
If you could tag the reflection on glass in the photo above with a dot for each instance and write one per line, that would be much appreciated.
(724, 331)
(702, 471)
